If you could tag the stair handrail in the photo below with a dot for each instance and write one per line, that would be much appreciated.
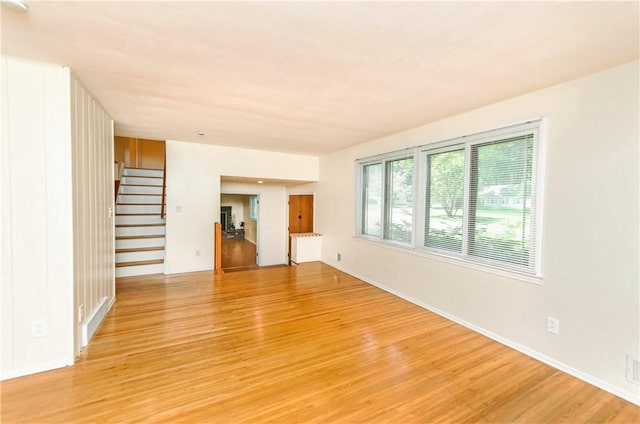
(164, 185)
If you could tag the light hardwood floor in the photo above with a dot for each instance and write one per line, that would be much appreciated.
(295, 345)
(238, 255)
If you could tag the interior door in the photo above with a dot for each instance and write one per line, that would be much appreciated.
(301, 213)
(300, 216)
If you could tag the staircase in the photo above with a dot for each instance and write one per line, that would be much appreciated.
(140, 228)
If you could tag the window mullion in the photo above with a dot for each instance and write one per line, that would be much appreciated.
(420, 204)
(466, 203)
(384, 234)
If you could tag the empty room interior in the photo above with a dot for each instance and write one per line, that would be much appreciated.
(336, 212)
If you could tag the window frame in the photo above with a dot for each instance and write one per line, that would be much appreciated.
(532, 273)
(384, 160)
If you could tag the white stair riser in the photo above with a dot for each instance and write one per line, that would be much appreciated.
(143, 172)
(128, 271)
(140, 189)
(145, 242)
(141, 181)
(138, 209)
(139, 231)
(133, 198)
(146, 255)
(141, 219)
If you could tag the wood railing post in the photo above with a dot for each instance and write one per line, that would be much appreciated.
(217, 248)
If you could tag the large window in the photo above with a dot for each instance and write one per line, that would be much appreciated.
(475, 198)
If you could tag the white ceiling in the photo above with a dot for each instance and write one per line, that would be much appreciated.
(314, 77)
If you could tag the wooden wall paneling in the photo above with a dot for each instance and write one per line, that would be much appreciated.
(133, 153)
(93, 153)
(151, 154)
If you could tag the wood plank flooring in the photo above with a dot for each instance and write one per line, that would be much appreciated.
(295, 345)
(238, 255)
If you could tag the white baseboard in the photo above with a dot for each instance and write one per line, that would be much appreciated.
(629, 396)
(34, 369)
(91, 324)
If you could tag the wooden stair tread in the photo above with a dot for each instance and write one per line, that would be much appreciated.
(137, 263)
(139, 225)
(139, 194)
(139, 185)
(139, 249)
(145, 236)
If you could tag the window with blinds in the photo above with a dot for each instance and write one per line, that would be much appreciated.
(476, 198)
(399, 200)
(444, 199)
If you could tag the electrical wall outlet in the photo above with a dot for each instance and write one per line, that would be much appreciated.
(38, 328)
(80, 313)
(338, 257)
(553, 325)
(197, 253)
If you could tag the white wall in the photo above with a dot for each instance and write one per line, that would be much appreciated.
(272, 219)
(57, 238)
(37, 225)
(590, 249)
(193, 193)
(93, 228)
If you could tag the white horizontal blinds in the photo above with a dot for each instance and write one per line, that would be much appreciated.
(445, 199)
(372, 199)
(399, 199)
(500, 209)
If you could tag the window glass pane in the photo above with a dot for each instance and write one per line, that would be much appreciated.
(372, 200)
(400, 199)
(445, 200)
(253, 207)
(500, 200)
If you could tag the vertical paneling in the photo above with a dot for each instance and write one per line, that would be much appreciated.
(93, 197)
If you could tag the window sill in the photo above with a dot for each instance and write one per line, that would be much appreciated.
(503, 272)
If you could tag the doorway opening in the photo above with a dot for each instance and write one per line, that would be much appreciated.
(238, 216)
